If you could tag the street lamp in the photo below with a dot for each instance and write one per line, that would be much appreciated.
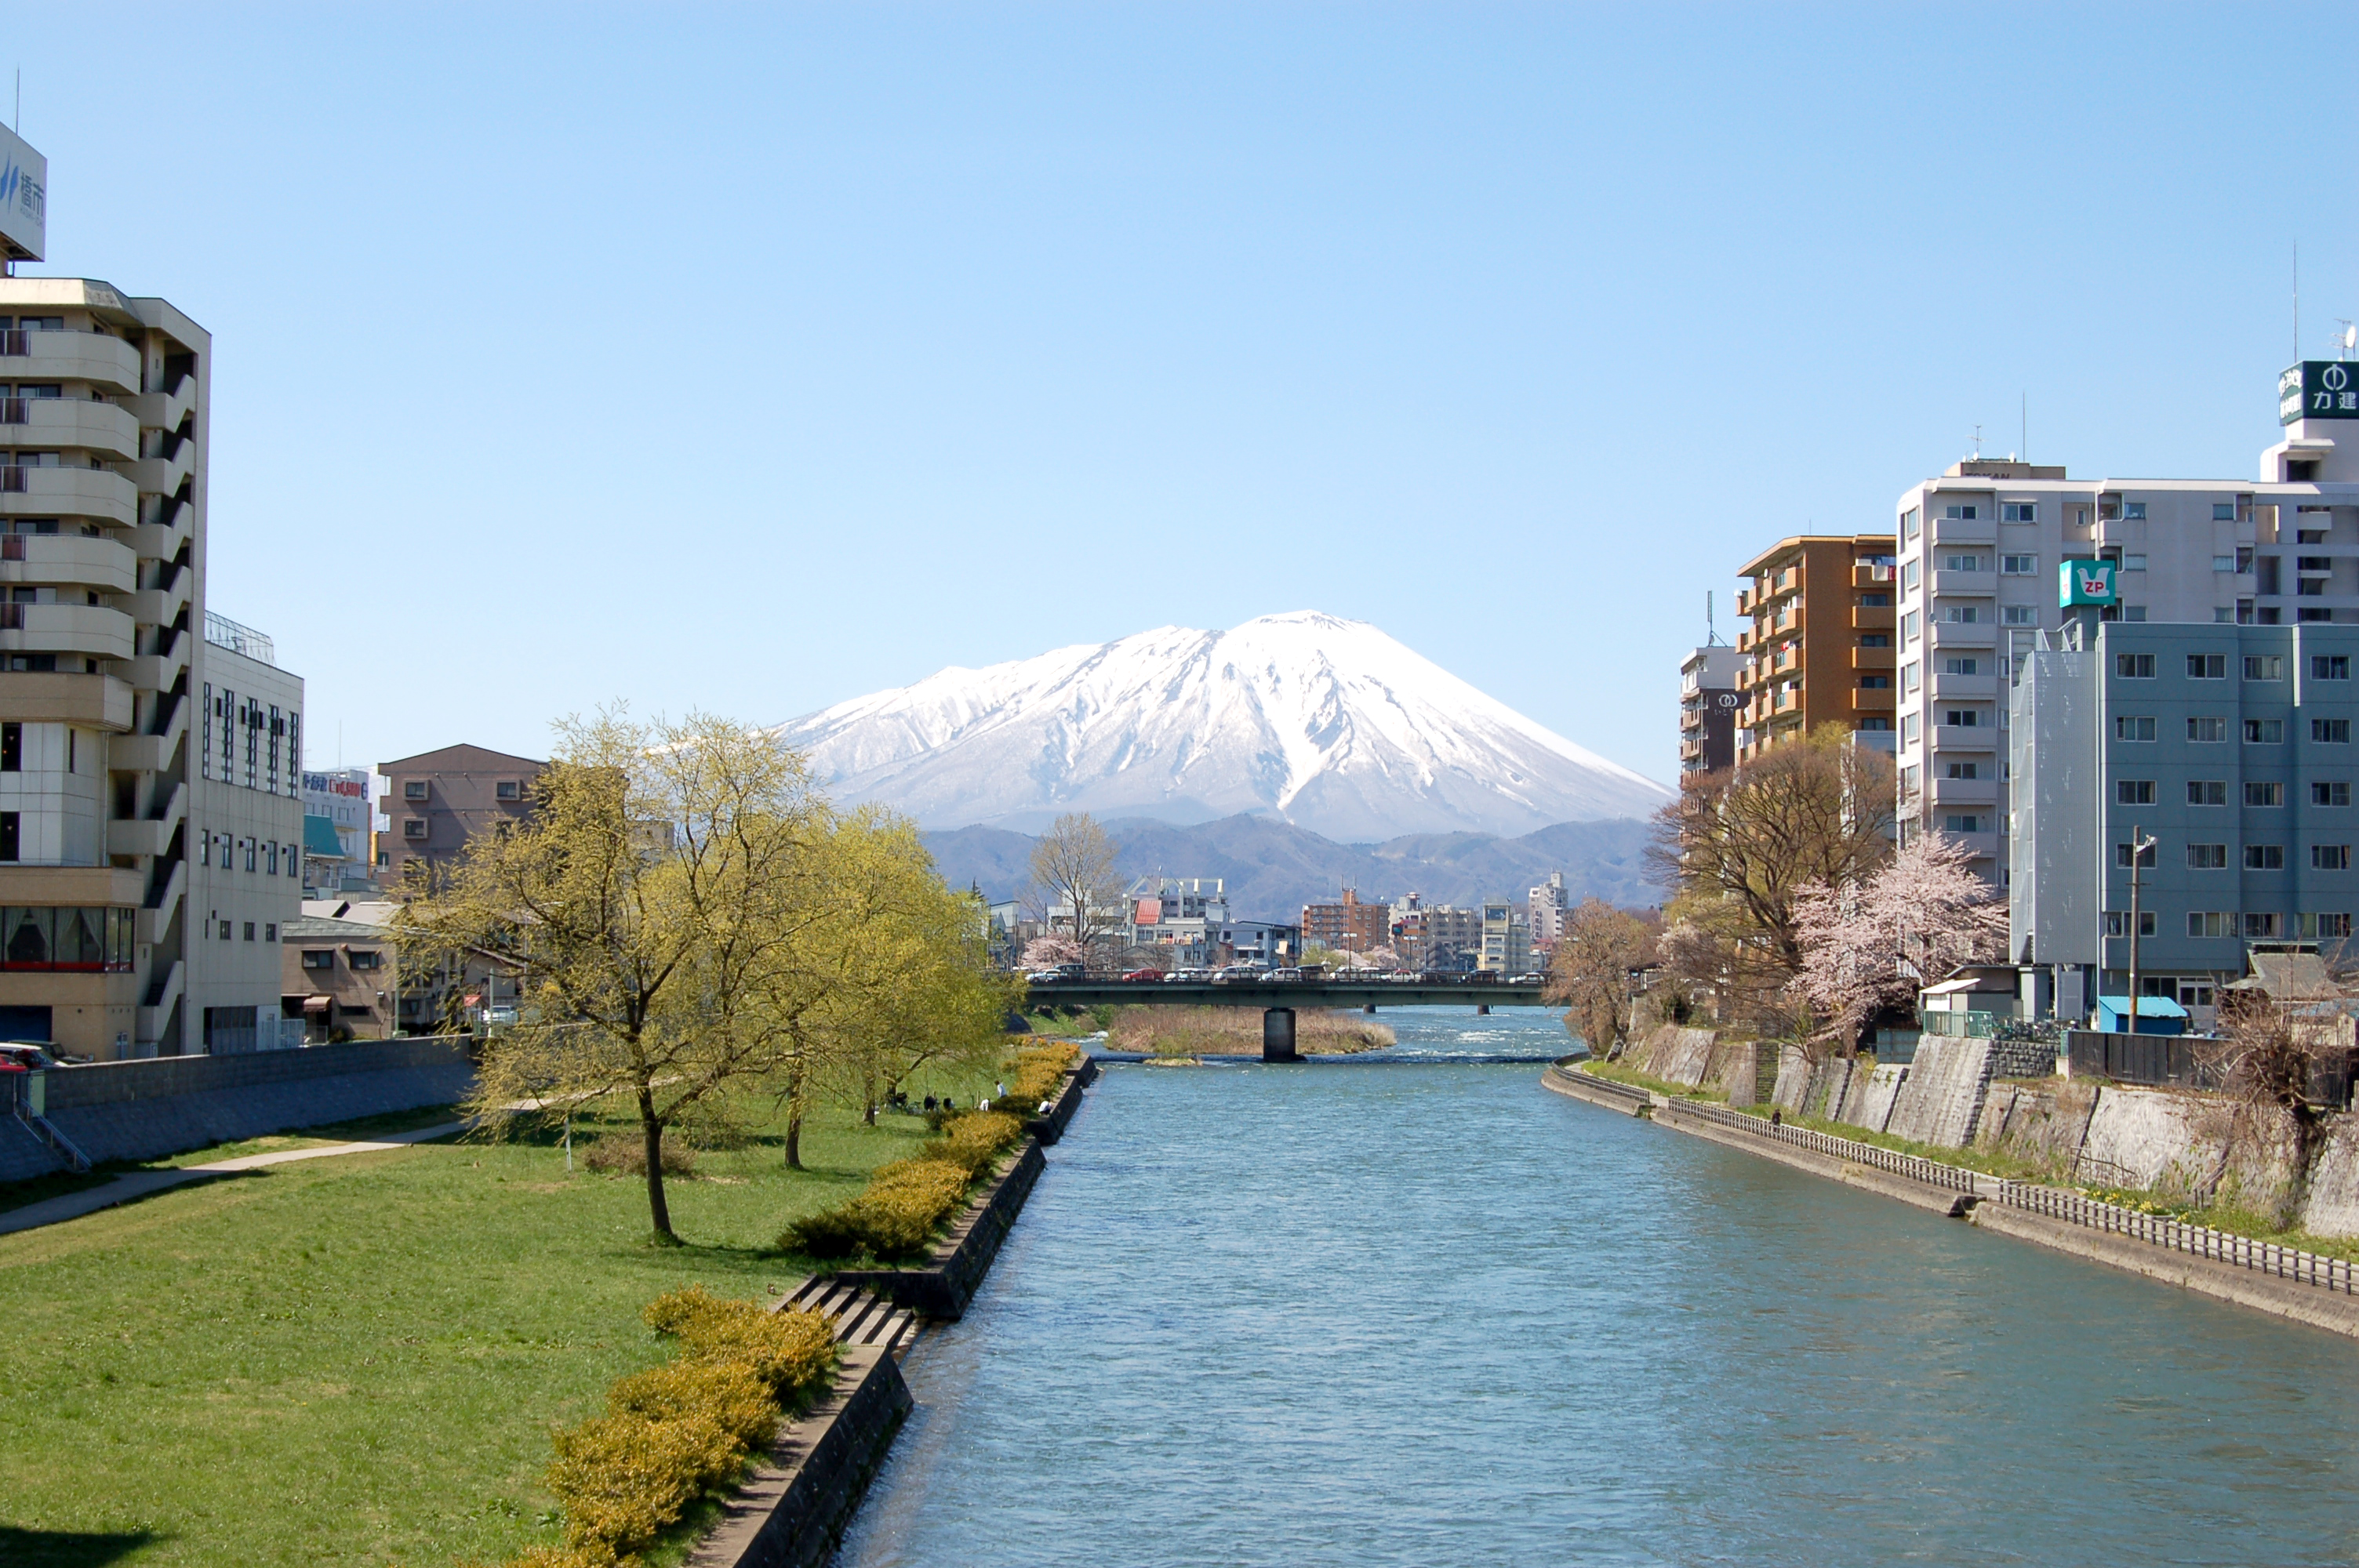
(2139, 845)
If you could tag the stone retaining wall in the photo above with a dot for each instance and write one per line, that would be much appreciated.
(946, 1281)
(795, 1507)
(1049, 1128)
(167, 1105)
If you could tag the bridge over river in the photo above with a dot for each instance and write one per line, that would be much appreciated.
(1279, 1000)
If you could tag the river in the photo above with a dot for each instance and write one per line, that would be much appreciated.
(1417, 1310)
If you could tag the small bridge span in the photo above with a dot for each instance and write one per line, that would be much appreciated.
(1279, 1000)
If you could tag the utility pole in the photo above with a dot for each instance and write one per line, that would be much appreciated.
(2139, 845)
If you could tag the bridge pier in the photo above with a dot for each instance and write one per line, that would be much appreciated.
(1483, 1008)
(1367, 1007)
(1277, 1035)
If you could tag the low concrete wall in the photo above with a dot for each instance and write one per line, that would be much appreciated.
(1623, 1097)
(146, 1110)
(795, 1507)
(946, 1281)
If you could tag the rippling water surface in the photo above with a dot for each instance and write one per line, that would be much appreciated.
(1417, 1310)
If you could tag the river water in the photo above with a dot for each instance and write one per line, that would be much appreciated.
(1417, 1310)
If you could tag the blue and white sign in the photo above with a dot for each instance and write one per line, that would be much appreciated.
(23, 198)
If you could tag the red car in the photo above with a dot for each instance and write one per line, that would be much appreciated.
(1143, 975)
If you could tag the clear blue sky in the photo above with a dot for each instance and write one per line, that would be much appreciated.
(756, 359)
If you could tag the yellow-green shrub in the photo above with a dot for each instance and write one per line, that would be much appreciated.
(971, 1142)
(1035, 1072)
(905, 1203)
(675, 1431)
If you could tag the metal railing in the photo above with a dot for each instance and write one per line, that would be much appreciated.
(224, 633)
(2270, 1258)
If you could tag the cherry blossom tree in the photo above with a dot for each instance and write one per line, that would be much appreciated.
(1047, 952)
(1870, 945)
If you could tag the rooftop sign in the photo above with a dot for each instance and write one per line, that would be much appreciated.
(2318, 389)
(2084, 582)
(24, 199)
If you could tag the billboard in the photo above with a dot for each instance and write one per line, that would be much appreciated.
(2318, 389)
(23, 198)
(2084, 582)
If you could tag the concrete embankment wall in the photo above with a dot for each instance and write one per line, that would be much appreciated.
(2178, 1143)
(166, 1105)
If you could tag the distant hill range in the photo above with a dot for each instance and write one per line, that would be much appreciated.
(1272, 869)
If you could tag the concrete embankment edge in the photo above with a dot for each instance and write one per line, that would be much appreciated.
(2330, 1311)
(792, 1511)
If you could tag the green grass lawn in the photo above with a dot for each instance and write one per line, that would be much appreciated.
(358, 1360)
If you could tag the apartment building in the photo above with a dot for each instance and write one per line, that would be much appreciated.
(1507, 939)
(437, 800)
(1819, 650)
(1545, 908)
(1436, 937)
(1708, 704)
(1181, 916)
(1347, 924)
(2219, 758)
(343, 796)
(105, 417)
(245, 831)
(1980, 548)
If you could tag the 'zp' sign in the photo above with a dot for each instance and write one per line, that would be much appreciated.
(2084, 582)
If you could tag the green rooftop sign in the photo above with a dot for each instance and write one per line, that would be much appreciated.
(2084, 582)
(2318, 389)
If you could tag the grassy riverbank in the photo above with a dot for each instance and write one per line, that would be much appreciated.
(1236, 1032)
(1996, 1162)
(359, 1360)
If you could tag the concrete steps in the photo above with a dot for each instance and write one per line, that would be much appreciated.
(862, 1319)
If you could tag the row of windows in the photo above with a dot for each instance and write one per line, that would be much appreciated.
(2265, 925)
(2133, 727)
(90, 940)
(264, 856)
(2214, 667)
(272, 751)
(2215, 792)
(359, 958)
(2029, 512)
(2257, 857)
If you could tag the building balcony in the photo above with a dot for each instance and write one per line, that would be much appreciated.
(65, 422)
(68, 560)
(1870, 576)
(1962, 531)
(1982, 846)
(1871, 618)
(1965, 736)
(89, 630)
(42, 696)
(1872, 658)
(1971, 583)
(1946, 687)
(1965, 792)
(1872, 699)
(108, 362)
(100, 494)
(1970, 636)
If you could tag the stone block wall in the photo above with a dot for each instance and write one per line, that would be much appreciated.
(1942, 1098)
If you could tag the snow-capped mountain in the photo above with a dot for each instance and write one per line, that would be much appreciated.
(1326, 723)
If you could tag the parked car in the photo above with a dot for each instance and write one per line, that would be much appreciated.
(1043, 978)
(30, 1057)
(1188, 976)
(1143, 975)
(1235, 972)
(1529, 981)
(1285, 977)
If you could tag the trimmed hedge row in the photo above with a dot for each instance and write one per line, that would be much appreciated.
(674, 1432)
(1035, 1072)
(907, 1201)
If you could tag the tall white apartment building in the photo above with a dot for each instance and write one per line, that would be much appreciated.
(1980, 550)
(104, 413)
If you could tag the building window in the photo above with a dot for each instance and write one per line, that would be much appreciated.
(319, 958)
(1876, 725)
(1966, 770)
(2329, 857)
(2335, 792)
(2257, 793)
(2018, 566)
(251, 849)
(1959, 514)
(2019, 614)
(8, 845)
(508, 789)
(2133, 666)
(2322, 925)
(413, 827)
(2223, 563)
(2133, 727)
(2264, 667)
(1964, 563)
(1966, 824)
(1908, 730)
(2134, 792)
(1908, 576)
(2207, 731)
(2207, 792)
(2330, 731)
(12, 747)
(2264, 731)
(2211, 923)
(1875, 682)
(2133, 613)
(2330, 666)
(2200, 857)
(1963, 615)
(2018, 512)
(2133, 563)
(2117, 922)
(2265, 857)
(2133, 511)
(1960, 667)
(413, 789)
(365, 958)
(1966, 719)
(2261, 927)
(2224, 512)
(2207, 667)
(270, 856)
(1908, 676)
(224, 930)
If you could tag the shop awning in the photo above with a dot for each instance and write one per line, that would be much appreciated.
(316, 1004)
